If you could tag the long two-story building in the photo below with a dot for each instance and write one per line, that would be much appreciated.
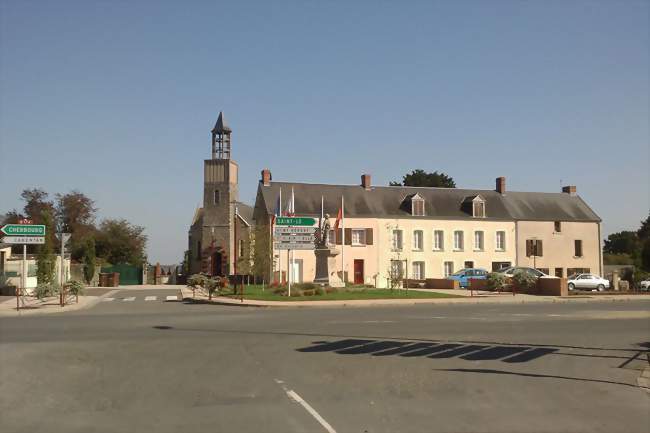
(433, 232)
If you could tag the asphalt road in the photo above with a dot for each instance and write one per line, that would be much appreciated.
(166, 366)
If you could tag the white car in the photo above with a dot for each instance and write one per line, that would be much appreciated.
(645, 285)
(588, 282)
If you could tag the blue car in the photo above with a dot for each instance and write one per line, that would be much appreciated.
(464, 275)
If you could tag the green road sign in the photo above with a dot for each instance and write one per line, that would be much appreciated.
(294, 221)
(23, 230)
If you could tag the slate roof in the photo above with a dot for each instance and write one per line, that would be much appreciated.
(440, 203)
(221, 125)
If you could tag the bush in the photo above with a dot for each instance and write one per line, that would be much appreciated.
(524, 281)
(308, 292)
(496, 281)
(212, 285)
(319, 291)
(196, 281)
(280, 291)
(296, 293)
(305, 286)
(75, 287)
(331, 290)
(43, 291)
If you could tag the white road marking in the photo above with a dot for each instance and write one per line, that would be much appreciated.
(172, 298)
(108, 299)
(129, 299)
(295, 397)
(150, 298)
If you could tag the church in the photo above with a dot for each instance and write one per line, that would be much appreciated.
(220, 236)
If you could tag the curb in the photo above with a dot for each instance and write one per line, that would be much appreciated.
(56, 309)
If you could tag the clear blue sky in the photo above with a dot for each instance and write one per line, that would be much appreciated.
(117, 99)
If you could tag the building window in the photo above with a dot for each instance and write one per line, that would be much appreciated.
(397, 240)
(559, 272)
(500, 244)
(479, 241)
(358, 237)
(417, 206)
(418, 270)
(534, 247)
(458, 240)
(478, 209)
(449, 268)
(198, 250)
(241, 248)
(578, 248)
(558, 226)
(438, 240)
(497, 266)
(217, 196)
(418, 240)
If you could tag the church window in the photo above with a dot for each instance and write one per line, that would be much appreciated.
(217, 196)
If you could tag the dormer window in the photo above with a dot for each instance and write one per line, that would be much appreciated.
(478, 208)
(417, 205)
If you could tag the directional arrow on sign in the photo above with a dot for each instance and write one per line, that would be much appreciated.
(29, 240)
(23, 230)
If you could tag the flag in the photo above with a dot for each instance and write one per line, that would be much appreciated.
(291, 206)
(339, 217)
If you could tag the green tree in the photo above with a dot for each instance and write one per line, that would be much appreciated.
(261, 252)
(76, 213)
(644, 231)
(119, 241)
(45, 260)
(625, 242)
(89, 259)
(37, 204)
(645, 255)
(419, 177)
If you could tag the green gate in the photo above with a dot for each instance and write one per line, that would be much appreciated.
(129, 275)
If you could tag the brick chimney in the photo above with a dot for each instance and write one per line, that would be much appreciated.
(570, 189)
(501, 185)
(365, 181)
(266, 177)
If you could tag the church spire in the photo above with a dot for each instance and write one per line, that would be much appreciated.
(221, 139)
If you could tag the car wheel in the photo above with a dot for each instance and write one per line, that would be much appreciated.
(601, 288)
(572, 286)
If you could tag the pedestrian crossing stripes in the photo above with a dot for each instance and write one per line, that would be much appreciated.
(146, 298)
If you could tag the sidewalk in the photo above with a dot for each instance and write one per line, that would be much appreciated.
(49, 305)
(478, 298)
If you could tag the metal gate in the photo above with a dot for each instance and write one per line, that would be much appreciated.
(129, 275)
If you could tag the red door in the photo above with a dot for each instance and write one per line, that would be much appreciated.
(358, 271)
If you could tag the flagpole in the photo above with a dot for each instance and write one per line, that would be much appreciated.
(343, 240)
(280, 252)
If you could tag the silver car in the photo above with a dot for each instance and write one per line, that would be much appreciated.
(509, 272)
(588, 282)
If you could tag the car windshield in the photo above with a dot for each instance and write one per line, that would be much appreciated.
(459, 273)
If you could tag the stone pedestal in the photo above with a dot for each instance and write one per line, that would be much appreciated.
(326, 267)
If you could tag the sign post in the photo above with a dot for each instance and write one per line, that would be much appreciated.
(64, 237)
(24, 233)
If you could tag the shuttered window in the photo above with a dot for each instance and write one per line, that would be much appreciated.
(417, 207)
(458, 240)
(578, 248)
(438, 240)
(500, 241)
(418, 240)
(397, 240)
(418, 270)
(478, 240)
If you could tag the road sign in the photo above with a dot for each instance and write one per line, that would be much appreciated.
(66, 236)
(294, 230)
(294, 238)
(23, 230)
(294, 221)
(27, 240)
(293, 246)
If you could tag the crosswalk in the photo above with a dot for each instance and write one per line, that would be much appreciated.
(146, 299)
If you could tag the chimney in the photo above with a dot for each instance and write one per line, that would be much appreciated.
(365, 181)
(501, 185)
(570, 189)
(266, 177)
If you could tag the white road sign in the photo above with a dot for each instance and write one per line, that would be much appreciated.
(294, 238)
(294, 230)
(23, 240)
(293, 246)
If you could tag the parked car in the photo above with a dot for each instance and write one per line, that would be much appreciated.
(464, 275)
(588, 282)
(645, 285)
(510, 272)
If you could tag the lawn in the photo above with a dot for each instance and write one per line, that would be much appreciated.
(255, 292)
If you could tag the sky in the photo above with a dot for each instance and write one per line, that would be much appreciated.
(116, 99)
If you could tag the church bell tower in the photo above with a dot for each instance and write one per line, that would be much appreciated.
(220, 193)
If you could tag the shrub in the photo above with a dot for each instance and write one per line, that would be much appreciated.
(524, 280)
(496, 281)
(319, 291)
(308, 292)
(212, 286)
(296, 293)
(305, 286)
(75, 287)
(45, 290)
(280, 291)
(331, 290)
(196, 281)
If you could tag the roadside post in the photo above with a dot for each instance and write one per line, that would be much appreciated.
(293, 233)
(64, 237)
(24, 233)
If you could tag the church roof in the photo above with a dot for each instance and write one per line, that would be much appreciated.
(221, 126)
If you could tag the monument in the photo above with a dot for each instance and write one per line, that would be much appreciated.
(326, 274)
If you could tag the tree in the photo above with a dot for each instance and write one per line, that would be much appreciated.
(644, 231)
(261, 252)
(45, 261)
(645, 255)
(89, 260)
(36, 204)
(625, 242)
(419, 177)
(76, 213)
(119, 241)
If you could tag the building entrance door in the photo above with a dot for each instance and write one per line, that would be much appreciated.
(217, 269)
(358, 272)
